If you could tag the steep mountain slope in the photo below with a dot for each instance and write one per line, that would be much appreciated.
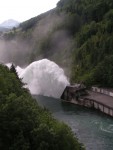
(4, 29)
(77, 35)
(9, 24)
(93, 58)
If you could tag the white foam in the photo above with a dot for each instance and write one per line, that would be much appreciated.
(44, 77)
(8, 65)
(19, 70)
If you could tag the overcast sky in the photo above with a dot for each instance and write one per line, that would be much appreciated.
(22, 10)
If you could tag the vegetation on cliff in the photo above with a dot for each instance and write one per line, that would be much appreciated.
(24, 125)
(93, 57)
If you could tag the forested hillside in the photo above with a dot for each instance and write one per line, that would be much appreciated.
(93, 57)
(26, 126)
(77, 35)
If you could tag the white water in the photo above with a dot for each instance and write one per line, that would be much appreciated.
(44, 77)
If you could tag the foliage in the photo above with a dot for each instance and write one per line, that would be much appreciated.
(28, 24)
(24, 125)
(94, 41)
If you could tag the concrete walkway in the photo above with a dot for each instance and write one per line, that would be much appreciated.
(105, 99)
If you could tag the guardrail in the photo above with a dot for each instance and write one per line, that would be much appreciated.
(103, 91)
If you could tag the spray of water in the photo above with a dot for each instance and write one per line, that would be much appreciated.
(44, 77)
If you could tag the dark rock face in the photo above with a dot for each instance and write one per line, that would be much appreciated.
(74, 92)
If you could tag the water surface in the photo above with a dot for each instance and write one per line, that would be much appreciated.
(94, 129)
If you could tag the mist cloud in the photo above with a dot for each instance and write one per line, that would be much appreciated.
(23, 50)
(13, 51)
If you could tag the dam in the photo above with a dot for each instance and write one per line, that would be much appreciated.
(97, 98)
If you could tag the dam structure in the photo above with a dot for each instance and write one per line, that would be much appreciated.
(97, 98)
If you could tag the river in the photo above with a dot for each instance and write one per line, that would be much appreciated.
(93, 129)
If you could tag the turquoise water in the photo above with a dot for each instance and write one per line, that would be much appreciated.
(93, 129)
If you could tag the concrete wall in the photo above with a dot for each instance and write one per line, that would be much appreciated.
(103, 91)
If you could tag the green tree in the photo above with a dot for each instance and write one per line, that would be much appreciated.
(26, 126)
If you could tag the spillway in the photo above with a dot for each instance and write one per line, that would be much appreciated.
(44, 77)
